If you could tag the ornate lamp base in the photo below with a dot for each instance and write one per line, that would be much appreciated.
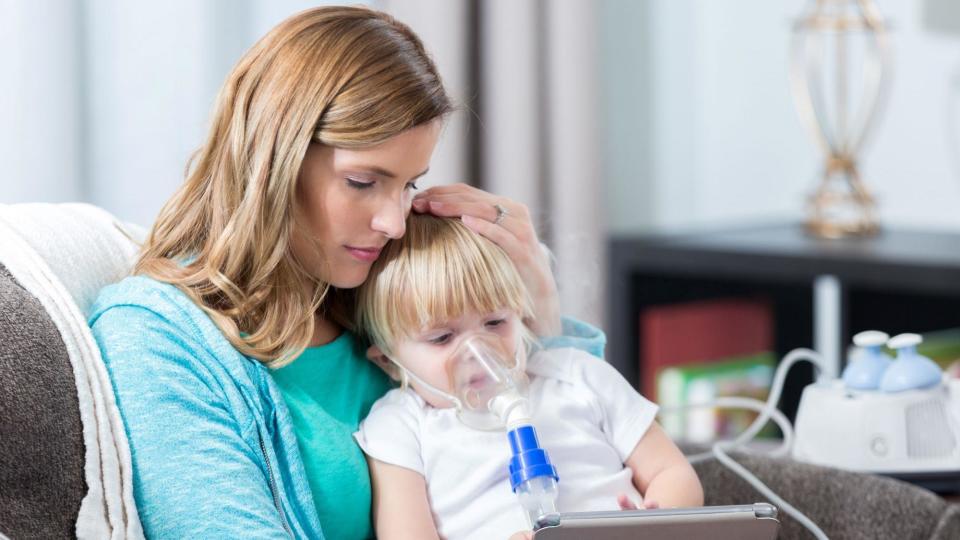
(833, 41)
(823, 228)
(842, 206)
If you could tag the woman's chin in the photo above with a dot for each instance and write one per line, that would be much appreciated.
(350, 280)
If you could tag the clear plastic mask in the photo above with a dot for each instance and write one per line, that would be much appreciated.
(485, 380)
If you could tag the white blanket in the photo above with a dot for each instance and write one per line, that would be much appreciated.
(63, 254)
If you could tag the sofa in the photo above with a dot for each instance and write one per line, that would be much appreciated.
(843, 504)
(41, 439)
(53, 486)
(65, 467)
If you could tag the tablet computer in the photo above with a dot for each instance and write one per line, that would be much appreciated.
(742, 522)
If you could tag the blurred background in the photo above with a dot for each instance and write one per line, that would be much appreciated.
(606, 117)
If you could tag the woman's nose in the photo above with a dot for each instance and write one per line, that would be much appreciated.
(391, 219)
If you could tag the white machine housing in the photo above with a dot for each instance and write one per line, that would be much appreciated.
(913, 431)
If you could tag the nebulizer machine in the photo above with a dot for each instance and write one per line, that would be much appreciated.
(895, 416)
(487, 385)
(898, 416)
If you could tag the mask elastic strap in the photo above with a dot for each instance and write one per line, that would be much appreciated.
(436, 391)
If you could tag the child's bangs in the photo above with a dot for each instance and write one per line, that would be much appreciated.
(448, 271)
(436, 273)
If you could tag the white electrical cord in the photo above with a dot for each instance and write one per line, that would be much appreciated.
(739, 403)
(768, 411)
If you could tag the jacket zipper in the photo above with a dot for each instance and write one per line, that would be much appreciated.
(273, 485)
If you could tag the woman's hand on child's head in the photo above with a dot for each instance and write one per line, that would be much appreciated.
(508, 224)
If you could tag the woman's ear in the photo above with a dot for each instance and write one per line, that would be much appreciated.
(375, 355)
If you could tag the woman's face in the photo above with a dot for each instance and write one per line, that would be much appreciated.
(354, 201)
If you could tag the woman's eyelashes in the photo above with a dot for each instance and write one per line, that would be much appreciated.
(358, 183)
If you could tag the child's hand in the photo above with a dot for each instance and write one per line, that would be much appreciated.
(626, 504)
(522, 535)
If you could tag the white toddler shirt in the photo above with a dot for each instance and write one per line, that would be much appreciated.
(587, 417)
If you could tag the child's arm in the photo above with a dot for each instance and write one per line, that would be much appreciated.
(401, 510)
(662, 473)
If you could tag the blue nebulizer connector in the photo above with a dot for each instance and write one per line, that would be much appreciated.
(910, 370)
(532, 476)
(868, 363)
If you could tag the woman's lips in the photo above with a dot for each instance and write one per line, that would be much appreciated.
(364, 254)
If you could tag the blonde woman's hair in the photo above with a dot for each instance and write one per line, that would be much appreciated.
(439, 270)
(345, 77)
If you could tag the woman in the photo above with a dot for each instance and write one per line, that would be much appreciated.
(220, 348)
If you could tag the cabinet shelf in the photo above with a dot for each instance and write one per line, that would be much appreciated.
(822, 291)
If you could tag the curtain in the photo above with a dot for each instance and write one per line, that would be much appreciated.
(525, 72)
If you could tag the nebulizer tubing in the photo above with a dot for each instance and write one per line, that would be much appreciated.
(768, 411)
(739, 403)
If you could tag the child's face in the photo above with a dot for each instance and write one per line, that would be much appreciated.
(426, 352)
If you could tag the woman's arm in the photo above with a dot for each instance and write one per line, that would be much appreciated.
(401, 510)
(577, 335)
(661, 472)
(195, 474)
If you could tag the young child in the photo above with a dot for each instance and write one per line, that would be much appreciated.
(436, 476)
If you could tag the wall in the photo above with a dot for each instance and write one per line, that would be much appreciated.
(714, 137)
(104, 101)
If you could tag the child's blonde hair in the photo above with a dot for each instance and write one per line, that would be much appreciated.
(436, 272)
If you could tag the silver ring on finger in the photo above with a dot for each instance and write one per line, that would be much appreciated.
(501, 213)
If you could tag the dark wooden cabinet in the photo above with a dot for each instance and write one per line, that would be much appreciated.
(822, 291)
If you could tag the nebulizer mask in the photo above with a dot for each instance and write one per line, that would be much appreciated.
(486, 382)
(488, 385)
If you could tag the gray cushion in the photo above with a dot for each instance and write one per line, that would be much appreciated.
(41, 438)
(843, 504)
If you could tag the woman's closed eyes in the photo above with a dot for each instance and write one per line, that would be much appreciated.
(362, 184)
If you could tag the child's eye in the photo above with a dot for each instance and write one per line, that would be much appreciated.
(440, 340)
(412, 186)
(359, 184)
(495, 323)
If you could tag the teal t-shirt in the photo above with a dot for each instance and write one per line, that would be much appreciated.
(328, 390)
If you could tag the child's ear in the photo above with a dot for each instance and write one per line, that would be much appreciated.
(375, 355)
